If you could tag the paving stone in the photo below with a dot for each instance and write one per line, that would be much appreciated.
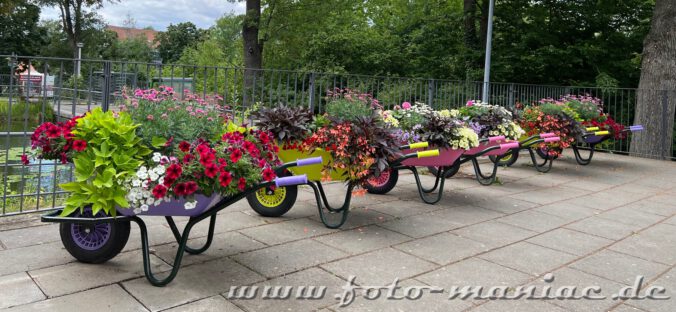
(328, 286)
(403, 208)
(192, 283)
(76, 276)
(33, 257)
(443, 248)
(603, 200)
(550, 195)
(494, 233)
(277, 233)
(223, 245)
(379, 267)
(423, 224)
(428, 301)
(157, 235)
(229, 221)
(362, 239)
(534, 220)
(473, 272)
(110, 298)
(522, 305)
(627, 308)
(570, 241)
(528, 258)
(603, 227)
(631, 216)
(656, 244)
(580, 280)
(589, 184)
(504, 204)
(671, 221)
(35, 235)
(281, 259)
(18, 289)
(215, 303)
(567, 211)
(618, 267)
(359, 217)
(654, 207)
(668, 281)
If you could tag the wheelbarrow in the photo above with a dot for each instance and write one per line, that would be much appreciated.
(592, 137)
(531, 144)
(446, 161)
(98, 238)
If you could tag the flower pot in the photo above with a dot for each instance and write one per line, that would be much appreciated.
(176, 207)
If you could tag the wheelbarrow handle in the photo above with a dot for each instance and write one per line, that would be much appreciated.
(510, 145)
(493, 139)
(309, 161)
(430, 153)
(547, 135)
(552, 139)
(415, 145)
(635, 128)
(291, 180)
(592, 129)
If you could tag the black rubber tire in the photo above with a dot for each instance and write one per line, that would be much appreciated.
(542, 152)
(506, 162)
(276, 211)
(451, 171)
(119, 235)
(385, 188)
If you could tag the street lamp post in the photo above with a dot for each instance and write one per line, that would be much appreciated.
(79, 46)
(487, 63)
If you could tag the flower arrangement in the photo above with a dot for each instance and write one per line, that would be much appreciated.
(128, 159)
(490, 120)
(240, 159)
(288, 125)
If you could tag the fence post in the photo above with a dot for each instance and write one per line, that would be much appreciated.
(311, 87)
(430, 92)
(665, 122)
(107, 72)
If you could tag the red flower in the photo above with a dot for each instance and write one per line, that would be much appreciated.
(202, 148)
(248, 146)
(64, 158)
(262, 163)
(53, 131)
(24, 159)
(242, 184)
(180, 189)
(159, 191)
(174, 171)
(79, 145)
(225, 178)
(190, 187)
(188, 158)
(168, 143)
(184, 146)
(210, 170)
(264, 137)
(207, 158)
(268, 174)
(236, 155)
(168, 181)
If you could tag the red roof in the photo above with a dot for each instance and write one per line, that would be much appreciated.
(124, 33)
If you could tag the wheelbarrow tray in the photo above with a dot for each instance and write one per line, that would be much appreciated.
(447, 157)
(176, 207)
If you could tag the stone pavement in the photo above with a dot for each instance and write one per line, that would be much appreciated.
(598, 225)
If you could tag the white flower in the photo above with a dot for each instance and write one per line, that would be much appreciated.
(136, 183)
(159, 201)
(161, 180)
(157, 157)
(144, 207)
(142, 169)
(153, 176)
(142, 175)
(190, 205)
(150, 201)
(137, 210)
(160, 170)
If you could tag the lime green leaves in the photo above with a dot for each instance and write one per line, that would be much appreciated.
(113, 153)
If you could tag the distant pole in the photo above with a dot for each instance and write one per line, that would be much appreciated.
(79, 46)
(489, 47)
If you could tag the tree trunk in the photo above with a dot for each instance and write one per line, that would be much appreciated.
(656, 94)
(253, 48)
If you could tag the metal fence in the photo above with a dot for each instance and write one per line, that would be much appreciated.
(26, 101)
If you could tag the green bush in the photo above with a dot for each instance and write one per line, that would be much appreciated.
(25, 111)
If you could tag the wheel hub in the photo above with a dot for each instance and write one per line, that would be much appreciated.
(271, 198)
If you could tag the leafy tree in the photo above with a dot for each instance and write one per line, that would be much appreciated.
(74, 17)
(20, 30)
(177, 38)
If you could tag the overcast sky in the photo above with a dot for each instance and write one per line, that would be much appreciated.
(160, 13)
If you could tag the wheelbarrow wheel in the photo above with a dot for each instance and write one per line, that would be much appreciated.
(506, 160)
(451, 171)
(275, 202)
(95, 243)
(383, 183)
